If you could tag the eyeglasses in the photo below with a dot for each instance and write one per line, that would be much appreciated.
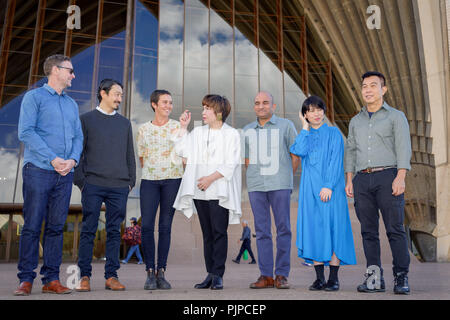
(70, 69)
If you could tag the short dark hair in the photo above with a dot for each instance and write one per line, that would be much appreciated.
(52, 61)
(106, 85)
(376, 74)
(219, 104)
(313, 101)
(154, 97)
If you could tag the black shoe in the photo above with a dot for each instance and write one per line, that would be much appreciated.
(252, 262)
(371, 287)
(317, 285)
(150, 283)
(235, 261)
(401, 285)
(217, 283)
(332, 285)
(161, 282)
(206, 283)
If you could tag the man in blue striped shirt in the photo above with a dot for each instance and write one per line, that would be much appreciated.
(50, 129)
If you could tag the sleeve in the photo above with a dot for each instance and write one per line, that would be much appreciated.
(27, 130)
(402, 142)
(300, 147)
(182, 141)
(77, 145)
(291, 134)
(232, 155)
(131, 161)
(140, 142)
(350, 150)
(79, 178)
(333, 172)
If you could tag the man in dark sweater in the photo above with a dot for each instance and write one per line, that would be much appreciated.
(246, 244)
(107, 173)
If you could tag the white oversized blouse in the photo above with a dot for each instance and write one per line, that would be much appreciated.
(207, 151)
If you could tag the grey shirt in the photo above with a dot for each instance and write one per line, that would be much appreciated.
(268, 151)
(378, 141)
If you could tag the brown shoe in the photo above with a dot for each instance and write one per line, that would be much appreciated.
(114, 284)
(281, 282)
(24, 289)
(263, 282)
(84, 285)
(55, 287)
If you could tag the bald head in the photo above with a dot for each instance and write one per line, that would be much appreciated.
(264, 106)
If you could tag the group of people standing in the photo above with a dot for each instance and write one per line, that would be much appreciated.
(200, 171)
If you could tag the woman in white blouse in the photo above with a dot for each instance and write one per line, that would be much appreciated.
(211, 181)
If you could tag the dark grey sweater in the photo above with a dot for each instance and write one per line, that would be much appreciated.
(108, 153)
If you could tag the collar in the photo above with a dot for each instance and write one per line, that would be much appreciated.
(51, 90)
(384, 106)
(272, 120)
(104, 112)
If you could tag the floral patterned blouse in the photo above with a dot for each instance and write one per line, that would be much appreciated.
(155, 147)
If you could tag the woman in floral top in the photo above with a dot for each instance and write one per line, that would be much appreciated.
(161, 176)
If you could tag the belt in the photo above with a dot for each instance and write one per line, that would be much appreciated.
(376, 169)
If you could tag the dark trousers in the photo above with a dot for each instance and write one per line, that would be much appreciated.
(373, 192)
(115, 200)
(214, 224)
(46, 196)
(246, 245)
(154, 193)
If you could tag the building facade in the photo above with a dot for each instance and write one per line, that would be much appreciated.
(291, 48)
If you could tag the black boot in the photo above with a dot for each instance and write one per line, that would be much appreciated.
(401, 285)
(217, 283)
(150, 283)
(206, 283)
(161, 282)
(318, 285)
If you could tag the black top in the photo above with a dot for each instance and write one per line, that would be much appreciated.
(108, 154)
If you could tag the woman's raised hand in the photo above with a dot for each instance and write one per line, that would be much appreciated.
(185, 119)
(305, 124)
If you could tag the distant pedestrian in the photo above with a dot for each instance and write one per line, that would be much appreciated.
(132, 237)
(246, 243)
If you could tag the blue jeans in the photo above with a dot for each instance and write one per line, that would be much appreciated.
(115, 200)
(46, 196)
(154, 193)
(261, 202)
(132, 250)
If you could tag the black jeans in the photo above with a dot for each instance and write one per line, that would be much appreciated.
(373, 192)
(214, 224)
(156, 193)
(246, 245)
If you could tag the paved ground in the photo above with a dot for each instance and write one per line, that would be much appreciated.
(428, 281)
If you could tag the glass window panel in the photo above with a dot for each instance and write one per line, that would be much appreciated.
(170, 62)
(8, 171)
(246, 62)
(9, 112)
(272, 81)
(221, 56)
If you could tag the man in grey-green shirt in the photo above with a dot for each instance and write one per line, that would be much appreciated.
(377, 157)
(270, 167)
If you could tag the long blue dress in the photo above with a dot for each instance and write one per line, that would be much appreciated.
(323, 227)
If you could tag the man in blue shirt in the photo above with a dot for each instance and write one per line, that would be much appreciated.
(270, 167)
(50, 129)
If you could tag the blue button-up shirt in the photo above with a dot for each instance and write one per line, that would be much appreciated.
(268, 151)
(49, 127)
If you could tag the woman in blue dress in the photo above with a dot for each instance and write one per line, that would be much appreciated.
(324, 234)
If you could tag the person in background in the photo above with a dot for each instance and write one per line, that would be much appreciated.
(246, 243)
(132, 236)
